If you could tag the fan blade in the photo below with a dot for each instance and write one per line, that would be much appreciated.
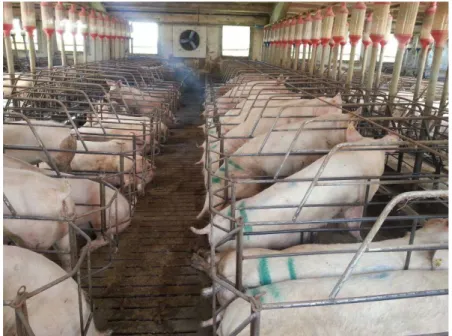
(193, 45)
(184, 40)
(192, 33)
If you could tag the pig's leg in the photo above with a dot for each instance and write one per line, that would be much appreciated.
(100, 241)
(63, 246)
(354, 212)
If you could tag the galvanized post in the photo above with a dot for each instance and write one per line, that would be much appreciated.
(9, 57)
(351, 66)
(363, 66)
(63, 51)
(380, 67)
(420, 72)
(334, 69)
(372, 65)
(74, 52)
(341, 57)
(295, 58)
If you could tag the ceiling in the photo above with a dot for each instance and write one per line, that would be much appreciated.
(129, 10)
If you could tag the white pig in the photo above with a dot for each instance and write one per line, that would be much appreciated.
(43, 197)
(332, 132)
(265, 271)
(341, 164)
(54, 311)
(238, 136)
(413, 316)
(19, 133)
(85, 192)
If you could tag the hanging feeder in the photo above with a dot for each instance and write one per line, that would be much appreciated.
(339, 33)
(84, 26)
(316, 28)
(60, 20)
(28, 17)
(72, 29)
(327, 27)
(7, 28)
(48, 26)
(377, 32)
(425, 40)
(383, 43)
(356, 30)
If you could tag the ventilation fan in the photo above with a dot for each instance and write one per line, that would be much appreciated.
(189, 40)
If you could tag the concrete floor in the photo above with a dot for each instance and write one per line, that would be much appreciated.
(150, 288)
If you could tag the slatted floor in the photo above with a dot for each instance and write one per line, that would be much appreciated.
(151, 289)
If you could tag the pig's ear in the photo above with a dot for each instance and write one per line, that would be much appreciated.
(352, 135)
(389, 140)
(359, 111)
(337, 99)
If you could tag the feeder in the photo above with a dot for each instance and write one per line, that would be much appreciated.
(425, 39)
(339, 33)
(59, 28)
(83, 28)
(383, 43)
(48, 26)
(7, 28)
(366, 42)
(48, 22)
(330, 56)
(403, 33)
(7, 18)
(377, 33)
(440, 35)
(28, 17)
(292, 29)
(316, 32)
(107, 32)
(306, 38)
(298, 39)
(327, 26)
(72, 14)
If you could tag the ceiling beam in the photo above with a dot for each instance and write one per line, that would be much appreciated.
(202, 8)
(279, 11)
(200, 19)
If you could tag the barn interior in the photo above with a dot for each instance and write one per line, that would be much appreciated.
(225, 168)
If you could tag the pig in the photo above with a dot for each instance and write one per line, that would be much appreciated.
(85, 192)
(265, 271)
(413, 316)
(138, 101)
(341, 164)
(335, 125)
(43, 197)
(143, 174)
(19, 133)
(54, 311)
(95, 133)
(238, 136)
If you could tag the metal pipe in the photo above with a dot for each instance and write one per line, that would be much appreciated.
(323, 59)
(303, 59)
(85, 52)
(334, 69)
(313, 60)
(443, 102)
(341, 57)
(420, 72)
(9, 56)
(49, 52)
(32, 52)
(74, 52)
(363, 66)
(63, 51)
(94, 49)
(16, 53)
(351, 66)
(380, 67)
(434, 74)
(396, 72)
(25, 46)
(295, 58)
(330, 56)
(372, 65)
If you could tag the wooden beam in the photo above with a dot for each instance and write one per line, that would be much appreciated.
(201, 19)
(279, 11)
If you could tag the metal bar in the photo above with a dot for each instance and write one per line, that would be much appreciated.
(363, 66)
(373, 63)
(379, 222)
(9, 57)
(420, 72)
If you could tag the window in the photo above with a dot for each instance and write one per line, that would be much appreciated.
(145, 37)
(236, 41)
(68, 39)
(20, 40)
